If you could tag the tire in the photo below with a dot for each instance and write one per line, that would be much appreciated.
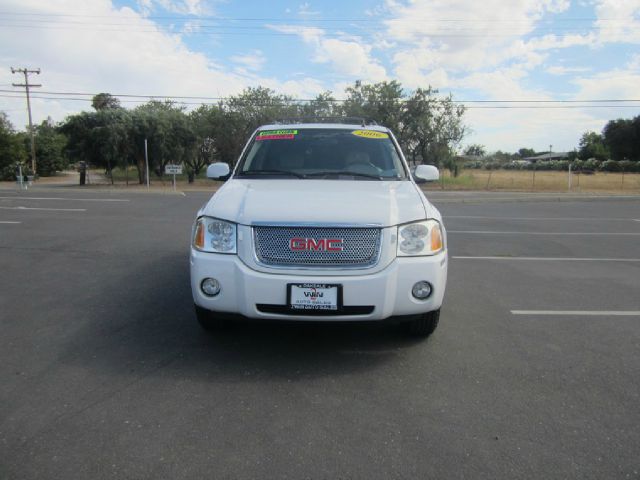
(208, 320)
(424, 325)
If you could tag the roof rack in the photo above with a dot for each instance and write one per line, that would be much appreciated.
(344, 120)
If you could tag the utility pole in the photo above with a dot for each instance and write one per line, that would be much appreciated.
(26, 86)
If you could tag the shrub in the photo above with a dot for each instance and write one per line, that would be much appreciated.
(592, 164)
(629, 166)
(611, 166)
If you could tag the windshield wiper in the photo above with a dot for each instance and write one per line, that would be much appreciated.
(270, 172)
(345, 173)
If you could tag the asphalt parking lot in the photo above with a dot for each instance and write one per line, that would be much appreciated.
(533, 372)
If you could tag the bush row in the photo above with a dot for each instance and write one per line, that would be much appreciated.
(591, 165)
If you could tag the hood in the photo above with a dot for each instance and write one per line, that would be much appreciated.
(317, 201)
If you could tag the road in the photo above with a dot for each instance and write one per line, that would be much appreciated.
(532, 373)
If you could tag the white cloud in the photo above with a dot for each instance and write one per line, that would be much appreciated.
(492, 49)
(348, 56)
(501, 84)
(305, 10)
(253, 61)
(462, 36)
(613, 84)
(634, 63)
(183, 7)
(560, 70)
(464, 23)
(304, 88)
(618, 21)
(192, 27)
(95, 58)
(511, 129)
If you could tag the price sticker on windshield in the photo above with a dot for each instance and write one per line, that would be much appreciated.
(277, 135)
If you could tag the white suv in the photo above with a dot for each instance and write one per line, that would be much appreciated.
(320, 222)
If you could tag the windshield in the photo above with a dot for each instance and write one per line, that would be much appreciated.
(322, 153)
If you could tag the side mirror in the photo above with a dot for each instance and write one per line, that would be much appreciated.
(426, 173)
(218, 171)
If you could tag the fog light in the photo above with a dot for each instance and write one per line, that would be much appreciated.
(421, 290)
(210, 287)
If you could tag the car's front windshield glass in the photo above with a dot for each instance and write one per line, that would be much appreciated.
(322, 153)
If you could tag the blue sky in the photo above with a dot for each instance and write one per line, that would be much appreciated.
(532, 72)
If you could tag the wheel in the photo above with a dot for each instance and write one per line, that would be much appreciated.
(424, 325)
(208, 320)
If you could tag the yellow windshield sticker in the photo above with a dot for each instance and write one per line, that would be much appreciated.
(370, 134)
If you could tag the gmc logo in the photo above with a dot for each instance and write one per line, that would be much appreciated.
(321, 244)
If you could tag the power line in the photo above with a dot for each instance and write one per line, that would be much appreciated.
(326, 19)
(196, 97)
(335, 100)
(472, 28)
(266, 31)
(261, 33)
(225, 100)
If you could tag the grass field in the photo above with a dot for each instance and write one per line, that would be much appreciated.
(490, 180)
(540, 181)
(496, 180)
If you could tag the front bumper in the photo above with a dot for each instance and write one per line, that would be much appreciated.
(245, 291)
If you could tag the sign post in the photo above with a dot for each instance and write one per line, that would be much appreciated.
(173, 170)
(21, 178)
(146, 160)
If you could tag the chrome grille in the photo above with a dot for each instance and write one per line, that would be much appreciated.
(361, 246)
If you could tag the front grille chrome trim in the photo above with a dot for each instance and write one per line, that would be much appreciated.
(319, 225)
(363, 247)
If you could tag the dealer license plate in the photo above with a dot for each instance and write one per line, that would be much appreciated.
(314, 296)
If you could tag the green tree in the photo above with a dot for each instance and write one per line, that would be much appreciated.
(12, 150)
(432, 127)
(380, 102)
(259, 106)
(111, 138)
(169, 136)
(204, 125)
(50, 146)
(98, 138)
(81, 142)
(477, 150)
(428, 127)
(227, 130)
(526, 152)
(622, 138)
(105, 101)
(592, 146)
(323, 106)
(235, 120)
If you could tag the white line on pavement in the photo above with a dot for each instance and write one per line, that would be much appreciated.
(550, 259)
(47, 209)
(563, 219)
(69, 199)
(7, 222)
(593, 313)
(489, 232)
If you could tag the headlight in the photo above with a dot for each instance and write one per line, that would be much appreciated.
(420, 238)
(213, 235)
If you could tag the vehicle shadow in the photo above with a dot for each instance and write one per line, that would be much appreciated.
(148, 326)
